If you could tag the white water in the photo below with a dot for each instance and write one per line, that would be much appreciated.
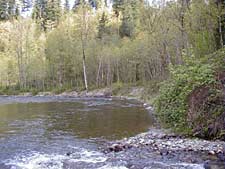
(54, 161)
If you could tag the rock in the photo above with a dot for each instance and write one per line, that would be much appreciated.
(149, 108)
(221, 156)
(27, 94)
(68, 153)
(164, 152)
(70, 94)
(212, 152)
(145, 104)
(141, 141)
(206, 165)
(116, 148)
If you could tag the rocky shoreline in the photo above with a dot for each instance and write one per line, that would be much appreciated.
(164, 140)
(106, 92)
(165, 144)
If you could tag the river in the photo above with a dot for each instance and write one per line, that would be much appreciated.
(68, 133)
(39, 132)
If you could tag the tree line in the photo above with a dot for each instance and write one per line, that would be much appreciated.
(97, 43)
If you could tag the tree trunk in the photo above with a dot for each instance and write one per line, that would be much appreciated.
(117, 70)
(84, 34)
(220, 32)
(84, 69)
(98, 74)
(108, 78)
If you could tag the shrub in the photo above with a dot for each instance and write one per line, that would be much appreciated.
(172, 102)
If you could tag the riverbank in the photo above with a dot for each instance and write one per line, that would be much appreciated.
(131, 92)
(166, 144)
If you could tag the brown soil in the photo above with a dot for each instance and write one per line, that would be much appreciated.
(206, 111)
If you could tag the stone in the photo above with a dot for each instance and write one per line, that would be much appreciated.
(212, 152)
(206, 165)
(68, 153)
(164, 152)
(221, 156)
(116, 148)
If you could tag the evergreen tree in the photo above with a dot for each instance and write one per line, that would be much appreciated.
(3, 10)
(47, 13)
(53, 12)
(92, 3)
(221, 23)
(118, 6)
(8, 9)
(129, 12)
(66, 6)
(102, 26)
(39, 13)
(26, 5)
(76, 4)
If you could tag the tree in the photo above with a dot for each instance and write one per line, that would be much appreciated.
(201, 26)
(221, 23)
(83, 15)
(3, 10)
(26, 5)
(47, 13)
(8, 9)
(128, 11)
(102, 26)
(66, 6)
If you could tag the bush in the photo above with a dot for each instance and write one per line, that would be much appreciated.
(172, 102)
(117, 88)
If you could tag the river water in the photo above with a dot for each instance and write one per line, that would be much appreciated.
(60, 132)
(70, 133)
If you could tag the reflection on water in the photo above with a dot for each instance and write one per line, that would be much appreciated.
(111, 121)
(55, 125)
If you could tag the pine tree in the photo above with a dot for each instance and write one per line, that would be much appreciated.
(77, 3)
(66, 6)
(118, 6)
(221, 23)
(47, 13)
(26, 5)
(53, 12)
(8, 9)
(92, 3)
(102, 26)
(127, 11)
(3, 10)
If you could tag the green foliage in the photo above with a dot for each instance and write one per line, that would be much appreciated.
(171, 105)
(202, 37)
(59, 90)
(102, 27)
(8, 9)
(133, 44)
(116, 88)
(47, 13)
(9, 91)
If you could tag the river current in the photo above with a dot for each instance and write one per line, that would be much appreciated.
(62, 132)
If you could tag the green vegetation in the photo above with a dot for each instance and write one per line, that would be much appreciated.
(175, 46)
(178, 98)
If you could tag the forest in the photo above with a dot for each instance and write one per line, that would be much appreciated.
(173, 46)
